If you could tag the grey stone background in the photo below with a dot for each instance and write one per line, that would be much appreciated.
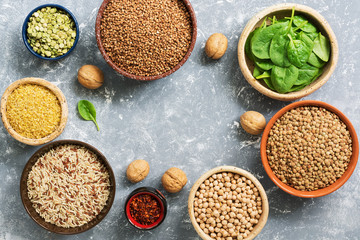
(189, 120)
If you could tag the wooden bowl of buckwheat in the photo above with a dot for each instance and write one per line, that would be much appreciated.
(309, 149)
(141, 42)
(228, 203)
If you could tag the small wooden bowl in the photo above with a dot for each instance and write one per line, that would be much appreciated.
(265, 204)
(324, 191)
(137, 77)
(58, 94)
(41, 221)
(281, 11)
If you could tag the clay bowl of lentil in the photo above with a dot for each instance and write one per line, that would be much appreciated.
(309, 149)
(67, 187)
(34, 111)
(228, 202)
(287, 51)
(146, 40)
(50, 32)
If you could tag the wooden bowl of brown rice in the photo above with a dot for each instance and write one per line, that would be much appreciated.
(67, 187)
(34, 111)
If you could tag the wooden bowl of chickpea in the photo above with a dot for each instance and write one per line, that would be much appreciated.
(228, 203)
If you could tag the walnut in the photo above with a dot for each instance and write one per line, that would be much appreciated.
(173, 180)
(137, 170)
(90, 76)
(253, 122)
(216, 45)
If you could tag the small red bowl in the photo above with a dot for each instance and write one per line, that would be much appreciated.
(155, 194)
(137, 77)
(339, 182)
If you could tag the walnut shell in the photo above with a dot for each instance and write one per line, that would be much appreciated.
(253, 122)
(137, 170)
(173, 180)
(216, 45)
(90, 76)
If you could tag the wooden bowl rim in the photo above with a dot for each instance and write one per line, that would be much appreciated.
(32, 212)
(137, 77)
(324, 191)
(302, 9)
(265, 203)
(58, 93)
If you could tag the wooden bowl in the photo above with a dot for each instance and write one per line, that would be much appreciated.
(281, 11)
(137, 77)
(58, 94)
(32, 212)
(324, 191)
(265, 204)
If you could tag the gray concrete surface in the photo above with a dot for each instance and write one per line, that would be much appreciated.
(189, 120)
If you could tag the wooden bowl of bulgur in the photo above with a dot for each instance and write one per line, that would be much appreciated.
(309, 149)
(146, 40)
(67, 187)
(34, 111)
(228, 203)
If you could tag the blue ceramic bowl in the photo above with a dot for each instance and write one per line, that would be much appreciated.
(25, 25)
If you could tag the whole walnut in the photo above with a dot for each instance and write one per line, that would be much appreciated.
(90, 76)
(173, 180)
(253, 122)
(137, 170)
(216, 46)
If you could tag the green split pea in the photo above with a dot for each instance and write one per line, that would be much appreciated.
(51, 32)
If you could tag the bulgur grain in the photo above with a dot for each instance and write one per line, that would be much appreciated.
(309, 148)
(146, 37)
(33, 111)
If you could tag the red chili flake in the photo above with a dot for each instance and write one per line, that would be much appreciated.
(145, 209)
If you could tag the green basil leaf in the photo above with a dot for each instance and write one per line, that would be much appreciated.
(284, 78)
(322, 47)
(87, 111)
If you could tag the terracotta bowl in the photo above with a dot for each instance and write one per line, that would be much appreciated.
(28, 205)
(281, 11)
(265, 204)
(58, 94)
(324, 191)
(137, 77)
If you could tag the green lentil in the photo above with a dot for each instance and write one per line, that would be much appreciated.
(51, 32)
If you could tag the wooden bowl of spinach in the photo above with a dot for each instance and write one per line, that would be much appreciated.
(287, 51)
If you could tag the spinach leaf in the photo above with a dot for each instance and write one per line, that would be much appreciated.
(260, 42)
(300, 21)
(322, 47)
(315, 61)
(247, 45)
(87, 111)
(306, 74)
(298, 52)
(297, 87)
(284, 78)
(257, 71)
(312, 35)
(305, 38)
(268, 83)
(264, 64)
(278, 50)
(265, 74)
